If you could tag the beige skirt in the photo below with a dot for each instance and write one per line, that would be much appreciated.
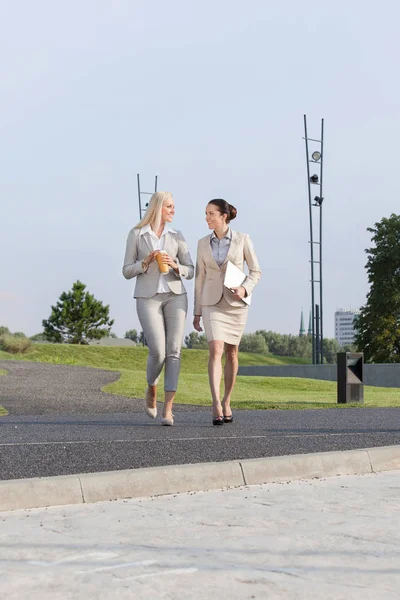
(224, 322)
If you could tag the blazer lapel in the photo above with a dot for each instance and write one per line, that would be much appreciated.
(145, 237)
(170, 243)
(232, 248)
(209, 251)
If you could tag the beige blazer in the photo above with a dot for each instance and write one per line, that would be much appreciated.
(138, 247)
(209, 283)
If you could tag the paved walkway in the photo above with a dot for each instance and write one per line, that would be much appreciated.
(61, 423)
(337, 538)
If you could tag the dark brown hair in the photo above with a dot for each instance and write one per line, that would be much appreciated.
(225, 208)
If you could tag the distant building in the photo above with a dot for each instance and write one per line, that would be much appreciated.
(345, 326)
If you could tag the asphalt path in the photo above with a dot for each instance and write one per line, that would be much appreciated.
(61, 423)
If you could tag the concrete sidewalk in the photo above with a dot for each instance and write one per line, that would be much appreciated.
(135, 483)
(337, 538)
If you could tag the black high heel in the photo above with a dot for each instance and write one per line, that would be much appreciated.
(218, 420)
(227, 418)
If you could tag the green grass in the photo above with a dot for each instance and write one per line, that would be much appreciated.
(259, 392)
(250, 392)
(3, 411)
(248, 359)
(114, 358)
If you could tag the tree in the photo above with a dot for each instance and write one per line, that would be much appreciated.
(38, 337)
(4, 330)
(378, 324)
(330, 349)
(132, 334)
(277, 343)
(253, 342)
(348, 348)
(196, 341)
(299, 346)
(77, 317)
(190, 339)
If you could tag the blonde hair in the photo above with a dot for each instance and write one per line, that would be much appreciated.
(153, 213)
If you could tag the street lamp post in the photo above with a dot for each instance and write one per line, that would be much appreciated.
(142, 205)
(142, 209)
(316, 159)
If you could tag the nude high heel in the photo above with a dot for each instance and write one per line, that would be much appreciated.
(167, 419)
(150, 412)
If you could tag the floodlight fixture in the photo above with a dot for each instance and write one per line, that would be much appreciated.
(318, 201)
(314, 179)
(316, 156)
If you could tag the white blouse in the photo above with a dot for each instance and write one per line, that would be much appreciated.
(157, 243)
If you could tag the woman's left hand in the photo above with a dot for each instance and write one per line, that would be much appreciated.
(238, 292)
(171, 263)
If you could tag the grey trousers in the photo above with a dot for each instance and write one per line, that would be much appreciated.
(162, 318)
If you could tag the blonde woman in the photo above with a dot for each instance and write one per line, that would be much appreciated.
(161, 300)
(223, 311)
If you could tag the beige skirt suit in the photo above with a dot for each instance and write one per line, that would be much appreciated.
(224, 317)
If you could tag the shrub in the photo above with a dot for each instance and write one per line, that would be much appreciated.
(14, 344)
(253, 342)
(40, 338)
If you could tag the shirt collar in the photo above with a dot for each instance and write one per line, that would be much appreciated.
(148, 229)
(228, 235)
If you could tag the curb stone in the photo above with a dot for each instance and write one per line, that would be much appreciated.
(156, 481)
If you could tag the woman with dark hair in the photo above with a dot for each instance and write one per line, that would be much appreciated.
(223, 310)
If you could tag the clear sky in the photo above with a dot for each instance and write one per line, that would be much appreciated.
(209, 96)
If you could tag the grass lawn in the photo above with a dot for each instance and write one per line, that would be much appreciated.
(103, 357)
(250, 392)
(3, 411)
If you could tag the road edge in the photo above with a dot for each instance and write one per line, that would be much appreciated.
(84, 488)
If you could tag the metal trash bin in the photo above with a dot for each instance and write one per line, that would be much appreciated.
(350, 377)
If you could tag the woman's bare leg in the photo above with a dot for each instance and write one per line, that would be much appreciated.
(168, 403)
(215, 349)
(230, 372)
(151, 398)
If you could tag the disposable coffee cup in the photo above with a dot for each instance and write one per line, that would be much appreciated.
(163, 267)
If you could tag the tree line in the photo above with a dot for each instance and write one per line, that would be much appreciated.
(79, 317)
(278, 344)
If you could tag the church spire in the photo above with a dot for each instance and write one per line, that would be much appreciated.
(310, 325)
(302, 331)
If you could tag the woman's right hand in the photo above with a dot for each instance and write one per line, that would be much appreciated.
(150, 258)
(196, 324)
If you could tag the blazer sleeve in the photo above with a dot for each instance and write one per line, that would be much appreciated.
(132, 266)
(199, 282)
(250, 257)
(184, 260)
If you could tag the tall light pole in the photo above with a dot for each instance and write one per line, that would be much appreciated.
(142, 210)
(316, 159)
(143, 206)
